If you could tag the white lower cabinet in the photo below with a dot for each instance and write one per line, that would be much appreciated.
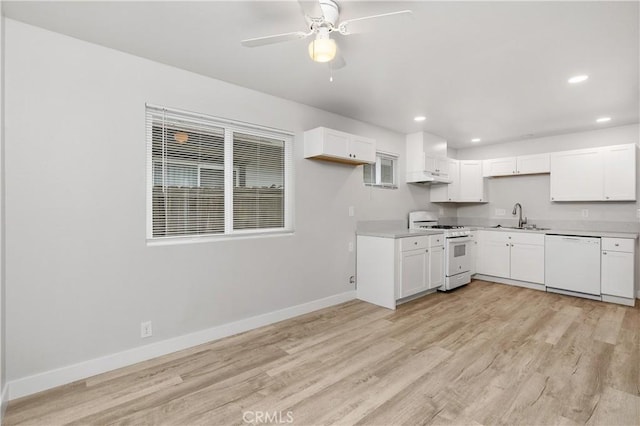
(473, 252)
(513, 255)
(391, 269)
(436, 261)
(414, 275)
(493, 257)
(617, 270)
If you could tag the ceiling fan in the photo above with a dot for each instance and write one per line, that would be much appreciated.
(322, 20)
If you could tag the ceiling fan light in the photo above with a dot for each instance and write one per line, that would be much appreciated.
(322, 49)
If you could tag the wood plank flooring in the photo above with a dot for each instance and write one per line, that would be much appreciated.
(484, 354)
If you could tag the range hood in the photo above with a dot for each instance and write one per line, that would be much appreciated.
(426, 178)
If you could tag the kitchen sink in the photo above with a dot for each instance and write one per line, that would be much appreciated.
(526, 228)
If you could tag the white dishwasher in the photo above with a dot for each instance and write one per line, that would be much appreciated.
(572, 265)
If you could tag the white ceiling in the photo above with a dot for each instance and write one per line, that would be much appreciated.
(494, 70)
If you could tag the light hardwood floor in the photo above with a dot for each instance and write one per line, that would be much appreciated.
(484, 354)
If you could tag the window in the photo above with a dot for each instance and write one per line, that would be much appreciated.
(213, 177)
(383, 172)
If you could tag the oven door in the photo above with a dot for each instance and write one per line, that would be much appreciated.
(458, 255)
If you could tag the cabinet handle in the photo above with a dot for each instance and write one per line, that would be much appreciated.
(606, 198)
(552, 198)
(427, 250)
(616, 244)
(507, 244)
(511, 245)
(509, 237)
(416, 243)
(604, 252)
(518, 171)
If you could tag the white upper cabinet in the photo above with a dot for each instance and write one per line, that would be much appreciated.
(521, 165)
(499, 167)
(471, 188)
(426, 157)
(620, 172)
(532, 164)
(467, 184)
(332, 145)
(595, 174)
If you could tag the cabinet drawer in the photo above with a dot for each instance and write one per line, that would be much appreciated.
(412, 243)
(618, 244)
(436, 240)
(527, 238)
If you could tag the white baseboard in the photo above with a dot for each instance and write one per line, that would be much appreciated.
(4, 400)
(525, 284)
(60, 376)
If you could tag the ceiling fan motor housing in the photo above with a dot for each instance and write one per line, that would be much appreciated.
(330, 11)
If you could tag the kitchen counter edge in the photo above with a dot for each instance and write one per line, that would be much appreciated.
(398, 233)
(572, 232)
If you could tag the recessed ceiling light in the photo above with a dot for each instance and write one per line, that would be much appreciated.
(578, 79)
(603, 119)
(420, 118)
(476, 140)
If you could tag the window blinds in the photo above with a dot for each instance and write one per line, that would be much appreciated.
(212, 177)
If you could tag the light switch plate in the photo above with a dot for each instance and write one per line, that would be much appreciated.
(352, 211)
(585, 213)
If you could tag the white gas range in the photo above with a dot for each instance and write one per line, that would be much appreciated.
(457, 259)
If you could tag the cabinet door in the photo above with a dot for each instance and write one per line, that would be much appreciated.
(531, 164)
(620, 172)
(336, 143)
(527, 263)
(363, 149)
(493, 256)
(453, 187)
(473, 253)
(414, 266)
(500, 166)
(577, 175)
(436, 267)
(471, 181)
(617, 274)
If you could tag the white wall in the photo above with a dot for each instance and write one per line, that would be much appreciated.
(2, 241)
(532, 191)
(80, 277)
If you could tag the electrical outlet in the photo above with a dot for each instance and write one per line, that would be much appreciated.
(145, 329)
(500, 212)
(585, 213)
(350, 246)
(352, 211)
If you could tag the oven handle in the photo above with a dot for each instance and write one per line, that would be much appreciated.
(457, 240)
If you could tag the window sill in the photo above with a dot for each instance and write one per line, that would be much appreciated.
(170, 241)
(373, 185)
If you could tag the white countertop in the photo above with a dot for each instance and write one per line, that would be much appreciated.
(399, 233)
(578, 233)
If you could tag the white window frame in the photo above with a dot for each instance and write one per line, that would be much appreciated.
(378, 169)
(230, 126)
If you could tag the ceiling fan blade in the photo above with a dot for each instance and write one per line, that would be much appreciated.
(311, 8)
(277, 38)
(343, 26)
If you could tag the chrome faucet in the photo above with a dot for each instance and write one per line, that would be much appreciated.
(520, 220)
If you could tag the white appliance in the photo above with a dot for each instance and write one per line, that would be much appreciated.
(572, 265)
(457, 248)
